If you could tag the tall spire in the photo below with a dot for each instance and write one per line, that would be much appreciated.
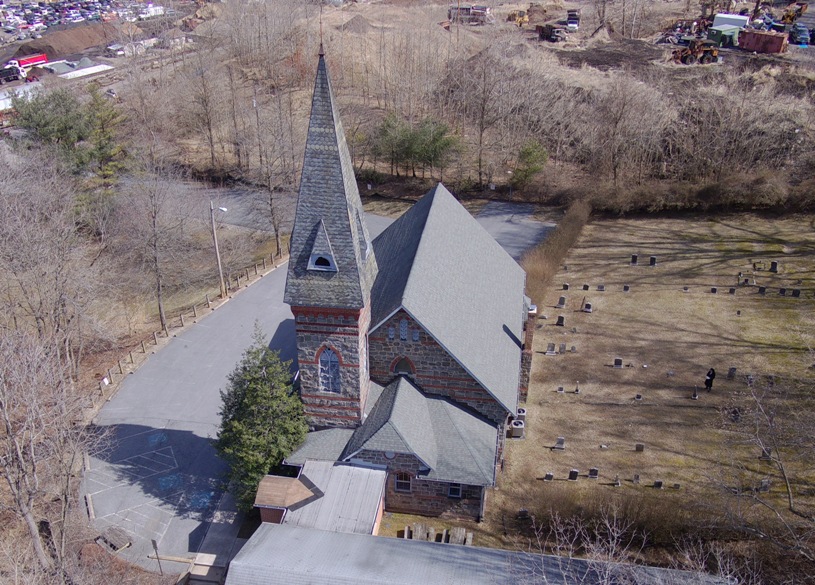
(329, 209)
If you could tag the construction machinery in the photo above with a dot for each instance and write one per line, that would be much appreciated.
(470, 14)
(519, 17)
(551, 33)
(697, 51)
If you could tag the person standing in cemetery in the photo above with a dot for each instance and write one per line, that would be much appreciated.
(711, 374)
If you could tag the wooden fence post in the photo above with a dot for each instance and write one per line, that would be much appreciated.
(194, 312)
(209, 303)
(155, 337)
(264, 263)
(131, 358)
(143, 348)
(121, 371)
(182, 319)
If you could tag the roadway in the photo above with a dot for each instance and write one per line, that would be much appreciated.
(161, 479)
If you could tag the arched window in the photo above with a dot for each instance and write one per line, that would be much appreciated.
(329, 372)
(403, 327)
(402, 482)
(403, 366)
(391, 332)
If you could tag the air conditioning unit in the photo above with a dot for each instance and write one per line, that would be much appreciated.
(521, 415)
(517, 429)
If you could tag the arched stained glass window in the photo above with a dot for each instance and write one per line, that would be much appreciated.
(403, 329)
(329, 371)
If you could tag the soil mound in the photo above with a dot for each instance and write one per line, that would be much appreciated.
(63, 43)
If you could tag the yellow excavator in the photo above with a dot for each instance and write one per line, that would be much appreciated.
(519, 17)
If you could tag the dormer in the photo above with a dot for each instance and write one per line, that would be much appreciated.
(322, 256)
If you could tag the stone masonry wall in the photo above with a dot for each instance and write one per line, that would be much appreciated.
(436, 371)
(343, 331)
(426, 497)
(526, 355)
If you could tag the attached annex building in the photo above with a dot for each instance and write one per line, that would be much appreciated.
(413, 348)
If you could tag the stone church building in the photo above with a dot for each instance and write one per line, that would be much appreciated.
(413, 347)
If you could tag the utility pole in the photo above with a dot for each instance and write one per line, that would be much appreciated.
(217, 251)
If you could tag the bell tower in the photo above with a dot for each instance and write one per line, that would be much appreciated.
(331, 270)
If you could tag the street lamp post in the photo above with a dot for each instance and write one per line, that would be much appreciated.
(217, 251)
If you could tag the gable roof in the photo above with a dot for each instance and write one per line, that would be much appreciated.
(456, 445)
(441, 266)
(322, 445)
(328, 209)
(285, 555)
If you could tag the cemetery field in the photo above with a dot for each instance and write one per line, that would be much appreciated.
(704, 450)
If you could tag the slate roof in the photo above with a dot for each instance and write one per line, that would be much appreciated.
(349, 502)
(455, 444)
(292, 555)
(443, 268)
(324, 445)
(329, 205)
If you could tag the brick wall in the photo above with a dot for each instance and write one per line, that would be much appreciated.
(437, 372)
(426, 497)
(344, 332)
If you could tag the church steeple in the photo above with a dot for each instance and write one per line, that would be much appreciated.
(331, 262)
(331, 270)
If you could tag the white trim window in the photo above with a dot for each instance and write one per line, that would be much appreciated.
(401, 482)
(454, 490)
(329, 372)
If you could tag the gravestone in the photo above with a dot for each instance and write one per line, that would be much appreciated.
(636, 478)
(638, 397)
(653, 261)
(618, 362)
(685, 289)
(766, 454)
(796, 292)
(561, 303)
(745, 282)
(560, 389)
(762, 290)
(732, 291)
(562, 348)
(565, 286)
(594, 473)
(764, 486)
(561, 321)
(639, 447)
(577, 390)
(731, 373)
(601, 287)
(617, 482)
(560, 444)
(773, 266)
(750, 380)
(626, 288)
(677, 486)
(586, 287)
(550, 349)
(735, 415)
(658, 484)
(738, 313)
(714, 290)
(574, 349)
(695, 395)
(549, 477)
(587, 308)
(573, 474)
(634, 259)
(523, 514)
(782, 292)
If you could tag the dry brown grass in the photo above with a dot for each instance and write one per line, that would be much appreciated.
(657, 328)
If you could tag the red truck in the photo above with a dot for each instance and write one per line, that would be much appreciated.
(29, 61)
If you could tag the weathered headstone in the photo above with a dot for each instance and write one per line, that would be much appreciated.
(766, 454)
(745, 282)
(601, 287)
(636, 478)
(574, 349)
(617, 482)
(782, 292)
(549, 477)
(561, 321)
(732, 290)
(561, 303)
(560, 389)
(695, 395)
(658, 484)
(714, 290)
(586, 287)
(653, 261)
(796, 292)
(618, 362)
(587, 308)
(594, 473)
(560, 444)
(773, 266)
(562, 348)
(573, 474)
(639, 447)
(626, 288)
(550, 349)
(565, 286)
(764, 486)
(762, 290)
(750, 380)
(677, 486)
(638, 397)
(634, 259)
(685, 289)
